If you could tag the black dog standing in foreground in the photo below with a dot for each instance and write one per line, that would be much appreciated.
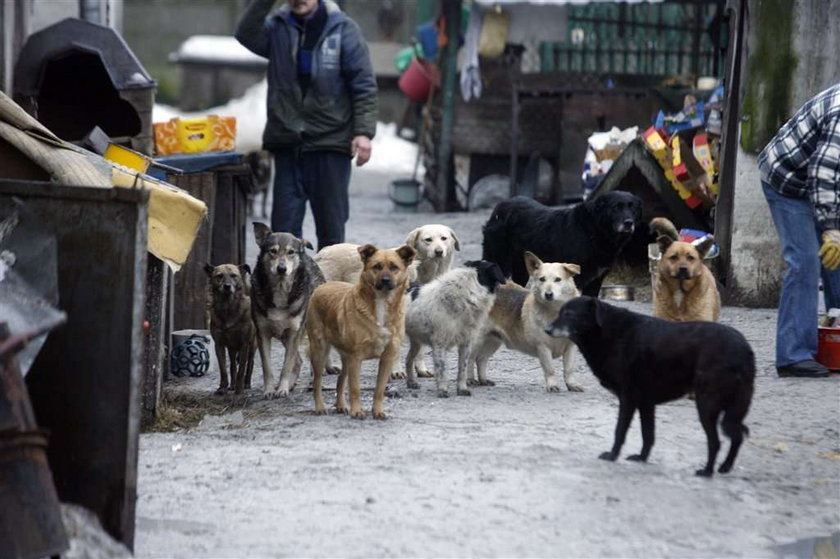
(590, 234)
(647, 361)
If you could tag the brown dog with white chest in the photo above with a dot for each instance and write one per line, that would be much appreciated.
(684, 289)
(361, 321)
(231, 325)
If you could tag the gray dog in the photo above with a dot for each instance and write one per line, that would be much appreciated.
(284, 279)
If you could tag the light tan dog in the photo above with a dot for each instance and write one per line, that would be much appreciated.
(435, 246)
(519, 319)
(361, 321)
(684, 289)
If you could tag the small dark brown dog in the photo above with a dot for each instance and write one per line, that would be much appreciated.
(361, 321)
(684, 288)
(231, 325)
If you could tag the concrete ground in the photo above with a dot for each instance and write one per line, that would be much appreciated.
(510, 472)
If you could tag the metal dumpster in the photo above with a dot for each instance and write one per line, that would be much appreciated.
(85, 383)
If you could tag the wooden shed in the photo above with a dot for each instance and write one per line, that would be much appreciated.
(609, 64)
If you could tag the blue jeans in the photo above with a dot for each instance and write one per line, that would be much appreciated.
(796, 328)
(323, 178)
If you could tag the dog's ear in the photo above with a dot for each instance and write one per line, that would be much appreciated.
(704, 245)
(366, 251)
(455, 238)
(498, 275)
(411, 240)
(305, 244)
(407, 254)
(532, 262)
(664, 241)
(244, 269)
(261, 232)
(209, 269)
(573, 269)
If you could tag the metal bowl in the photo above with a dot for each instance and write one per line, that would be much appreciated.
(618, 292)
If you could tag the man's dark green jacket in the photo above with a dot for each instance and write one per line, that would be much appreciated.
(340, 102)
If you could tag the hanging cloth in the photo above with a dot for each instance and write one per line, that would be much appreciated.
(470, 73)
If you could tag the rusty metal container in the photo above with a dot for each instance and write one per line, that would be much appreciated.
(30, 524)
(30, 515)
(85, 385)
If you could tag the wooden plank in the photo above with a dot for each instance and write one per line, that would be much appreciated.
(154, 353)
(190, 294)
(230, 216)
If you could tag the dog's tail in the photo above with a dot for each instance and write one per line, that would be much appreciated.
(663, 226)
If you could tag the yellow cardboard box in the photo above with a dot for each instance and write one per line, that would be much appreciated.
(195, 135)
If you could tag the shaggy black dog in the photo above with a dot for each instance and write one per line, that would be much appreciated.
(647, 361)
(590, 234)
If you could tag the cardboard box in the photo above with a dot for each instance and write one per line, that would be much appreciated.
(703, 153)
(195, 135)
(656, 141)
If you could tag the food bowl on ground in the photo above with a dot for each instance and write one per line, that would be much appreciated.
(618, 292)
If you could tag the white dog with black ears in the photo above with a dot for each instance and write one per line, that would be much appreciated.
(448, 312)
(520, 316)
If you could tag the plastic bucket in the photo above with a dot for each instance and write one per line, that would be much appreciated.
(828, 348)
(405, 194)
(418, 80)
(427, 37)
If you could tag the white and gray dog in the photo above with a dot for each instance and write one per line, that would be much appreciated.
(448, 312)
(283, 281)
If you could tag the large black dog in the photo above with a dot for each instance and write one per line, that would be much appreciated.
(590, 234)
(647, 361)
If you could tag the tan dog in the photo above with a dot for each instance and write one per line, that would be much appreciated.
(435, 247)
(231, 325)
(361, 321)
(519, 319)
(684, 289)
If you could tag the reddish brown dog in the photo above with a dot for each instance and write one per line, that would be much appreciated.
(685, 289)
(361, 321)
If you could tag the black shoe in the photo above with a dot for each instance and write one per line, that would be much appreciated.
(805, 369)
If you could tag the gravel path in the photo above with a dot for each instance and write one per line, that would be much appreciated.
(510, 472)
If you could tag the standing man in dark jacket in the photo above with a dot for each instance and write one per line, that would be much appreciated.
(321, 108)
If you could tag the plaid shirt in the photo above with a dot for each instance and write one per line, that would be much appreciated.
(803, 159)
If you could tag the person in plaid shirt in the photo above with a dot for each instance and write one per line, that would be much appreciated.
(800, 175)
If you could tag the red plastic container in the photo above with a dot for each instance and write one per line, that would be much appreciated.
(828, 348)
(418, 80)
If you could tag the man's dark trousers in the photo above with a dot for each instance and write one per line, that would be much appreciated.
(322, 177)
